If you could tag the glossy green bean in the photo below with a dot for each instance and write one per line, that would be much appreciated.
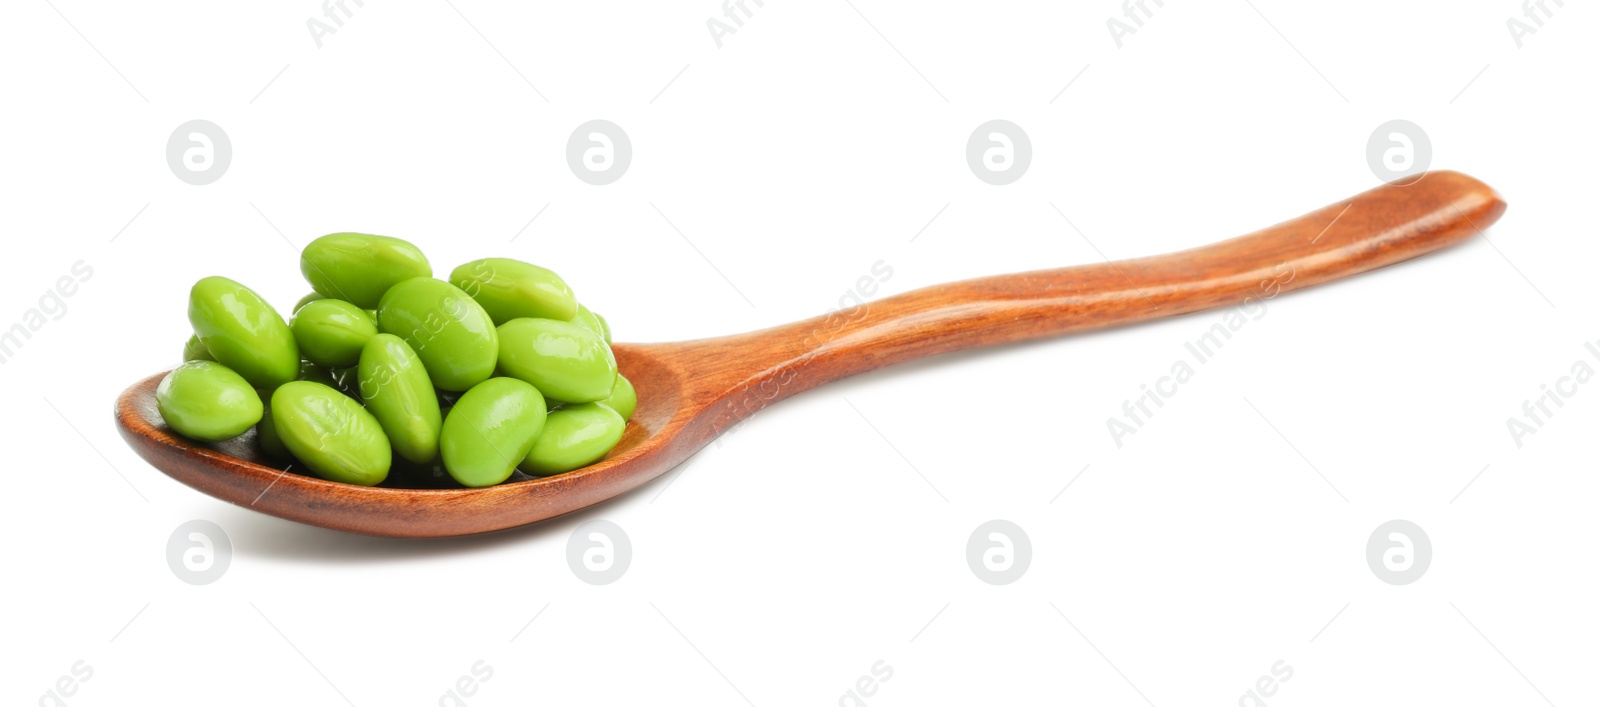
(623, 398)
(206, 400)
(331, 433)
(395, 386)
(195, 350)
(243, 332)
(489, 430)
(509, 289)
(574, 436)
(331, 332)
(359, 268)
(563, 360)
(447, 329)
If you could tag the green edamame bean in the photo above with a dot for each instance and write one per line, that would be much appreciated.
(574, 437)
(330, 433)
(509, 289)
(308, 299)
(208, 401)
(623, 399)
(593, 322)
(358, 268)
(243, 332)
(194, 350)
(447, 329)
(397, 391)
(490, 430)
(331, 332)
(563, 360)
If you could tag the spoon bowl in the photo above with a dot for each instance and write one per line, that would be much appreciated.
(690, 392)
(237, 471)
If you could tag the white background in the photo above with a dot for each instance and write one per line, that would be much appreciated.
(779, 566)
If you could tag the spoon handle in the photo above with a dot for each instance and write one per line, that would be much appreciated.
(1380, 227)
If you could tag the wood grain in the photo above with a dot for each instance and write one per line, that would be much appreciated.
(689, 392)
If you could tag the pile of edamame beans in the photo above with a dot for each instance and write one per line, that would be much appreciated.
(385, 367)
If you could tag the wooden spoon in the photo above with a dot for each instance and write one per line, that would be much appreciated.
(691, 391)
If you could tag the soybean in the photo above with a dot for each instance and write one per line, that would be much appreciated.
(593, 322)
(563, 360)
(308, 299)
(358, 268)
(490, 430)
(509, 289)
(448, 330)
(194, 350)
(331, 332)
(207, 401)
(331, 434)
(397, 391)
(574, 437)
(243, 332)
(623, 399)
